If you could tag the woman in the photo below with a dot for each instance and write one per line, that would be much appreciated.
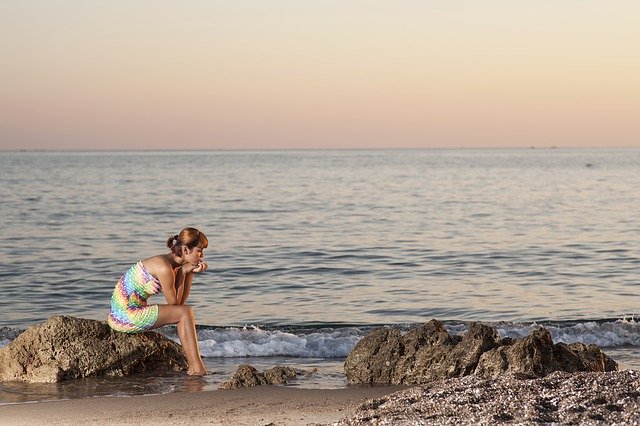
(172, 274)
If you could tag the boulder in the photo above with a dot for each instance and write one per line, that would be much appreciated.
(531, 356)
(374, 358)
(445, 356)
(65, 347)
(536, 356)
(592, 357)
(429, 353)
(248, 376)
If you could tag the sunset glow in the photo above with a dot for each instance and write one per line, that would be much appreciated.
(325, 74)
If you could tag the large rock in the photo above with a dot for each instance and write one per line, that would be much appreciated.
(434, 354)
(65, 347)
(532, 356)
(374, 357)
(429, 353)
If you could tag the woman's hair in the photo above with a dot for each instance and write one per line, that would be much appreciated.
(188, 237)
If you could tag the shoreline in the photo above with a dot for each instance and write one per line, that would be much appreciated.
(559, 398)
(256, 405)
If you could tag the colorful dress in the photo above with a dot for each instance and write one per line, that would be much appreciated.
(129, 310)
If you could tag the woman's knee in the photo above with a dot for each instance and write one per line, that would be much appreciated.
(187, 312)
(173, 314)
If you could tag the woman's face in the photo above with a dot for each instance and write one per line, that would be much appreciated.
(194, 256)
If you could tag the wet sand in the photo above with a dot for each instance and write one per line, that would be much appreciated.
(559, 398)
(249, 406)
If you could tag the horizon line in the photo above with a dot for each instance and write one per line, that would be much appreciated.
(460, 148)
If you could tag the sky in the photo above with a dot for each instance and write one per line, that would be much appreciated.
(322, 74)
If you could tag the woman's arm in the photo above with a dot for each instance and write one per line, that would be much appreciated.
(186, 286)
(185, 289)
(183, 278)
(168, 282)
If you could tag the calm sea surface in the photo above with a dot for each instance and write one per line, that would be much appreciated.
(310, 249)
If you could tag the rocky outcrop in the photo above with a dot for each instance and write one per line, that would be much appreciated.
(430, 353)
(247, 376)
(537, 356)
(374, 358)
(65, 347)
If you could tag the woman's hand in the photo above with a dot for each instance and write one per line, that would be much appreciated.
(200, 267)
(188, 267)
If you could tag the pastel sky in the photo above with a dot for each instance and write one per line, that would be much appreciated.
(274, 74)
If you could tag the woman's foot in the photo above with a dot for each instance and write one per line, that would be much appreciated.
(198, 371)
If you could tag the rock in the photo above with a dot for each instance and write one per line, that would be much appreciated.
(593, 358)
(245, 376)
(65, 347)
(593, 398)
(279, 375)
(531, 356)
(429, 358)
(429, 353)
(374, 357)
(537, 356)
(248, 376)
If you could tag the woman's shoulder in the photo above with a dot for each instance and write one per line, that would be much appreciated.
(158, 265)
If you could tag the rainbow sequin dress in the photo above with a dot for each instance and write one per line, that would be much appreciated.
(129, 310)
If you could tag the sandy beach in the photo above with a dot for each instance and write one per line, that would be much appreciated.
(249, 406)
(559, 398)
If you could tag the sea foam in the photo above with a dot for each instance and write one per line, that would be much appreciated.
(256, 342)
(611, 334)
(337, 342)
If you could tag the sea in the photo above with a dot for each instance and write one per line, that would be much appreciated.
(310, 250)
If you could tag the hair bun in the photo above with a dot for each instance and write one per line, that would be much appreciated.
(172, 241)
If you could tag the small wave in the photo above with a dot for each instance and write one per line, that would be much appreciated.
(606, 334)
(333, 340)
(337, 342)
(256, 342)
(8, 334)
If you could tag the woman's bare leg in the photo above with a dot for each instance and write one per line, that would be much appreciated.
(182, 316)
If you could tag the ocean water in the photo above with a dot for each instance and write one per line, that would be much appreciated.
(310, 250)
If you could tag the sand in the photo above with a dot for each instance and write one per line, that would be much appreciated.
(559, 398)
(248, 406)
